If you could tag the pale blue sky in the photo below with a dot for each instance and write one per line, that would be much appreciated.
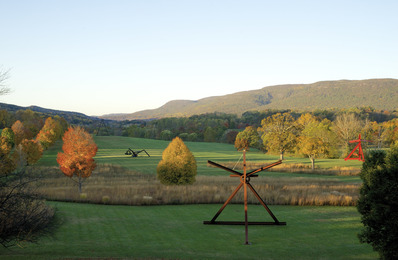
(100, 57)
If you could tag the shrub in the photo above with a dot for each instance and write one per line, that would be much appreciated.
(105, 199)
(378, 202)
(178, 165)
(24, 217)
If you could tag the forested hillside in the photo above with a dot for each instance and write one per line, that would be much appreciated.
(381, 94)
(70, 117)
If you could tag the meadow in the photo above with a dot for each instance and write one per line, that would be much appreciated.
(122, 179)
(131, 226)
(112, 151)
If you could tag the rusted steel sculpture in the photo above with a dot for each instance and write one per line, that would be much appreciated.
(358, 156)
(245, 182)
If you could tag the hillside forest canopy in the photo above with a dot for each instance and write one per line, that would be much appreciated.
(379, 127)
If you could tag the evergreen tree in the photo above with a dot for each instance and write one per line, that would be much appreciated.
(378, 202)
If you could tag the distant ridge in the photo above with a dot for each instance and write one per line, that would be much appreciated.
(68, 115)
(381, 94)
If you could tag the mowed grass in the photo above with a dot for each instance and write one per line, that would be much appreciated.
(177, 232)
(111, 150)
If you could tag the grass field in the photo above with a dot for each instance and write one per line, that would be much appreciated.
(112, 148)
(177, 232)
(137, 184)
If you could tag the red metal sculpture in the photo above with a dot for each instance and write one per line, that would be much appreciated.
(359, 155)
(245, 182)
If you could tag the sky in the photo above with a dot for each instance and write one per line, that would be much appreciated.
(100, 57)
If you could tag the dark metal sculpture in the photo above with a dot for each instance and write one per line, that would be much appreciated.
(102, 125)
(135, 153)
(245, 182)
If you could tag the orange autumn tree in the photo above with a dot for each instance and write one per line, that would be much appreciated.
(77, 159)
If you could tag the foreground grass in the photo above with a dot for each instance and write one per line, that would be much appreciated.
(177, 232)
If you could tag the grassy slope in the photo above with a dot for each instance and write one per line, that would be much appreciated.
(112, 148)
(177, 232)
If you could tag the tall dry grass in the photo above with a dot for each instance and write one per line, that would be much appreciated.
(297, 168)
(116, 185)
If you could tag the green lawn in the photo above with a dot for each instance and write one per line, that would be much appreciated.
(177, 232)
(111, 150)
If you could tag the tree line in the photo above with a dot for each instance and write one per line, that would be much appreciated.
(378, 126)
(312, 136)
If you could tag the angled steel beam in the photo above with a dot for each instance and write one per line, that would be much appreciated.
(264, 168)
(224, 168)
(225, 204)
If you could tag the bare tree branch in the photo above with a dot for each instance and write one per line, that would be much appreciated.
(24, 216)
(4, 76)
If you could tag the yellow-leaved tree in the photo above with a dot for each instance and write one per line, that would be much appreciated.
(247, 138)
(178, 165)
(50, 133)
(316, 138)
(32, 149)
(278, 133)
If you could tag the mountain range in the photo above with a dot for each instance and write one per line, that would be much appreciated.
(381, 94)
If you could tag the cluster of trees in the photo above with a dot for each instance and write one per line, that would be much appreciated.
(33, 121)
(29, 134)
(23, 215)
(323, 133)
(23, 143)
(216, 127)
(219, 127)
(313, 136)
